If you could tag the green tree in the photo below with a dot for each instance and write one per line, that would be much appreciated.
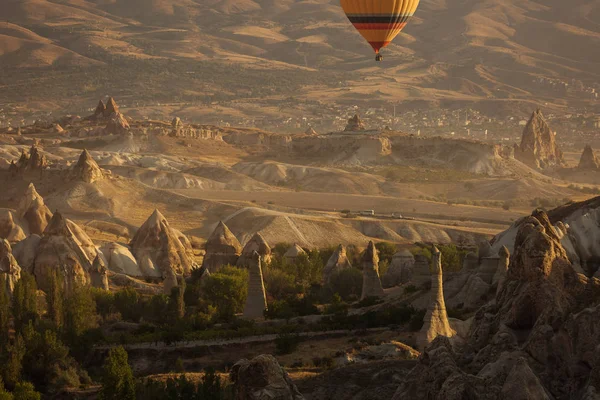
(177, 300)
(4, 314)
(117, 379)
(127, 302)
(386, 251)
(24, 302)
(25, 391)
(12, 362)
(54, 298)
(227, 290)
(211, 387)
(80, 314)
(347, 283)
(4, 395)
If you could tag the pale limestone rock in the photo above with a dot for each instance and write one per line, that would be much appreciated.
(32, 209)
(119, 259)
(9, 267)
(336, 263)
(293, 252)
(503, 264)
(86, 169)
(59, 250)
(436, 319)
(256, 302)
(99, 274)
(157, 248)
(222, 248)
(9, 229)
(370, 266)
(256, 244)
(400, 270)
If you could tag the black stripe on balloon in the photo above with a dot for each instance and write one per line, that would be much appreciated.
(389, 19)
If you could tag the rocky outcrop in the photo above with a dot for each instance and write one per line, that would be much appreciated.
(355, 124)
(293, 253)
(119, 259)
(400, 270)
(256, 244)
(158, 250)
(538, 147)
(262, 378)
(9, 267)
(503, 264)
(60, 250)
(436, 319)
(87, 169)
(111, 107)
(370, 266)
(99, 274)
(222, 248)
(256, 301)
(37, 161)
(25, 251)
(33, 211)
(588, 160)
(100, 110)
(310, 131)
(538, 340)
(9, 229)
(117, 125)
(336, 263)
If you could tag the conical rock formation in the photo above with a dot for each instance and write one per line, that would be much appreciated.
(293, 253)
(100, 110)
(158, 249)
(538, 146)
(59, 249)
(310, 131)
(9, 229)
(400, 270)
(355, 124)
(86, 169)
(336, 263)
(119, 259)
(370, 266)
(99, 274)
(436, 319)
(222, 248)
(256, 244)
(32, 209)
(111, 107)
(256, 302)
(117, 125)
(588, 160)
(9, 267)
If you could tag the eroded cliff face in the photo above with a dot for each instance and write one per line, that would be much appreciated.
(538, 340)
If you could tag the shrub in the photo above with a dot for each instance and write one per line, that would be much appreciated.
(347, 283)
(287, 343)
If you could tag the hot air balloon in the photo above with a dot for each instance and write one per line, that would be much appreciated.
(379, 21)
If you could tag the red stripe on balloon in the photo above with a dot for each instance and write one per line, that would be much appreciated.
(379, 26)
(379, 45)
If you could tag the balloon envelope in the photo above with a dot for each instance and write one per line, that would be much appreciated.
(379, 21)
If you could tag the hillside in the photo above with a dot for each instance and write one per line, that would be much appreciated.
(497, 56)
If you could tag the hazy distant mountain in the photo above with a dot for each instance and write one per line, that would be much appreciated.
(453, 50)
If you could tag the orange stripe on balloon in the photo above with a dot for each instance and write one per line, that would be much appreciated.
(379, 26)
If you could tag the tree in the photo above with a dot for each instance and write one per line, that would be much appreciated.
(127, 303)
(4, 314)
(80, 314)
(386, 251)
(347, 283)
(177, 300)
(24, 302)
(25, 391)
(54, 298)
(117, 380)
(227, 290)
(4, 395)
(12, 362)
